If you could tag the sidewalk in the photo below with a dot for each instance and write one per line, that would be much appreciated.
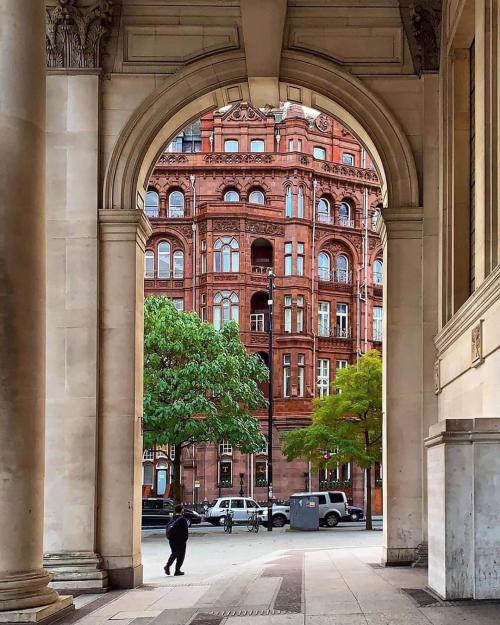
(340, 586)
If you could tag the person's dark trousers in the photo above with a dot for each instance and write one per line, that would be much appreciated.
(178, 554)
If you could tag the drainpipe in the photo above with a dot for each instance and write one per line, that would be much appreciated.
(365, 216)
(313, 271)
(192, 179)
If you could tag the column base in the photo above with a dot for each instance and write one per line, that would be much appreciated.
(129, 577)
(76, 572)
(399, 556)
(42, 614)
(422, 557)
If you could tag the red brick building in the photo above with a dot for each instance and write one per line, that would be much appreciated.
(241, 191)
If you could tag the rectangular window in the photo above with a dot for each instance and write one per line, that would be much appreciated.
(348, 159)
(377, 323)
(323, 318)
(257, 145)
(323, 378)
(149, 265)
(299, 145)
(226, 473)
(342, 364)
(225, 448)
(288, 259)
(300, 259)
(257, 322)
(319, 153)
(179, 303)
(203, 307)
(231, 145)
(261, 473)
(288, 314)
(301, 374)
(342, 325)
(290, 145)
(203, 246)
(287, 375)
(300, 313)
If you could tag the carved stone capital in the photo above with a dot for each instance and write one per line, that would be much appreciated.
(422, 24)
(74, 34)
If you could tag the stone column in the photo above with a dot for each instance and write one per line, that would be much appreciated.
(463, 458)
(401, 233)
(23, 581)
(72, 331)
(123, 236)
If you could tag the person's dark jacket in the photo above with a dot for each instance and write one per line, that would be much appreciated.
(178, 531)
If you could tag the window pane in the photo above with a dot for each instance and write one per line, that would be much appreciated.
(256, 145)
(256, 197)
(288, 202)
(230, 145)
(152, 206)
(348, 159)
(178, 264)
(149, 265)
(231, 196)
(319, 153)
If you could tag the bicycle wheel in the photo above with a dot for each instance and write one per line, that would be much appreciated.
(227, 522)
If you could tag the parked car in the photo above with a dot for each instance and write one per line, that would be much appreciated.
(240, 507)
(157, 512)
(281, 514)
(354, 514)
(332, 506)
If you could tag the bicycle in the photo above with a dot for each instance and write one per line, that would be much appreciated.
(253, 522)
(228, 522)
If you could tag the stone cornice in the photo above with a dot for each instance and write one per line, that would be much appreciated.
(464, 432)
(74, 34)
(470, 312)
(401, 223)
(123, 225)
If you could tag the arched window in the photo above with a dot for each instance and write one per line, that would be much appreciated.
(257, 145)
(231, 145)
(164, 259)
(378, 272)
(344, 214)
(149, 264)
(324, 210)
(324, 266)
(342, 268)
(256, 197)
(152, 207)
(231, 196)
(178, 264)
(300, 202)
(176, 204)
(288, 202)
(225, 308)
(226, 255)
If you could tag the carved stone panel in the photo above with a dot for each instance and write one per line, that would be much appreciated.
(262, 227)
(477, 344)
(226, 225)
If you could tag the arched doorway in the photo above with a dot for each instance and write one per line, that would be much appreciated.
(124, 230)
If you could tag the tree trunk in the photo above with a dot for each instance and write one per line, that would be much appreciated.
(177, 474)
(369, 522)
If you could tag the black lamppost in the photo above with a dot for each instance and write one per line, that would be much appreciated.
(271, 277)
(306, 481)
(242, 475)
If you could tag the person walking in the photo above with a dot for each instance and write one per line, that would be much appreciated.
(177, 534)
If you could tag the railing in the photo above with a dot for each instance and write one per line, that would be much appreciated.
(261, 269)
(337, 332)
(155, 275)
(341, 276)
(330, 219)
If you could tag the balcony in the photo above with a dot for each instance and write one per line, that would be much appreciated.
(331, 221)
(338, 276)
(334, 332)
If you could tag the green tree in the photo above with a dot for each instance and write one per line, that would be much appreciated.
(346, 425)
(200, 384)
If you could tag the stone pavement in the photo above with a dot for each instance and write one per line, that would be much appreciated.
(295, 585)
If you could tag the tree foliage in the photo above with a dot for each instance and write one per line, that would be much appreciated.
(200, 384)
(346, 425)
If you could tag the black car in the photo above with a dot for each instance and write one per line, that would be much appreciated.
(157, 512)
(354, 514)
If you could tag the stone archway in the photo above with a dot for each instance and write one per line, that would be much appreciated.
(124, 230)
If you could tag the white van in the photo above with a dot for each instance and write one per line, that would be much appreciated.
(240, 507)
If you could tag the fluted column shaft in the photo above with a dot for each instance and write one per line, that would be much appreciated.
(23, 583)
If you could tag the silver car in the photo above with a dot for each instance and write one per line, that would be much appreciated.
(240, 507)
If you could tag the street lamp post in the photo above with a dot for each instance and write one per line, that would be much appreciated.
(242, 476)
(271, 277)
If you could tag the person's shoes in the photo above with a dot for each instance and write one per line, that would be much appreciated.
(166, 569)
(179, 573)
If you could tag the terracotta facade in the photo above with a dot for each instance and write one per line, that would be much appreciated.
(240, 202)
